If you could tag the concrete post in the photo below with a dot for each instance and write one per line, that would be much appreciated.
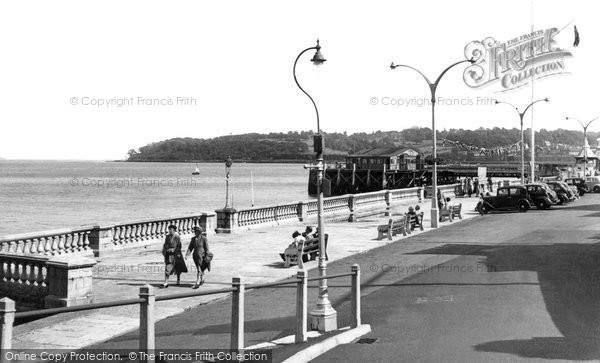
(7, 318)
(69, 281)
(227, 220)
(302, 210)
(302, 307)
(100, 239)
(420, 193)
(388, 202)
(355, 296)
(147, 337)
(237, 315)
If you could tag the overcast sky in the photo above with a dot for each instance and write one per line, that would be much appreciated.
(233, 60)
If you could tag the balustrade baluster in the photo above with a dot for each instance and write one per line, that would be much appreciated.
(79, 241)
(9, 272)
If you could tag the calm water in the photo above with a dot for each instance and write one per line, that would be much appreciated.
(39, 195)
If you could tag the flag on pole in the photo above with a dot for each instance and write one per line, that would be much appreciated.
(576, 42)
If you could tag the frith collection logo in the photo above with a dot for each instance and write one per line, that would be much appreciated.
(514, 63)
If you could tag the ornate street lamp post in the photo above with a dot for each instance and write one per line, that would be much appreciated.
(324, 316)
(585, 127)
(228, 163)
(433, 88)
(521, 116)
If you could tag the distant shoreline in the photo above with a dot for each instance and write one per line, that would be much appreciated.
(285, 161)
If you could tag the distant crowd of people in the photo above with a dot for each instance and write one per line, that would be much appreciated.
(473, 186)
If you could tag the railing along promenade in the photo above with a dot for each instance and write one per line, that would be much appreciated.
(93, 239)
(54, 268)
(147, 301)
(352, 205)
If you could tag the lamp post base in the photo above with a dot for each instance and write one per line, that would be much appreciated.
(323, 320)
(434, 217)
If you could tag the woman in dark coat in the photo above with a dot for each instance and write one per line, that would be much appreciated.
(174, 263)
(199, 249)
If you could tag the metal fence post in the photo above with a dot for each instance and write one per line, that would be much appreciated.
(302, 307)
(7, 318)
(147, 344)
(237, 314)
(355, 296)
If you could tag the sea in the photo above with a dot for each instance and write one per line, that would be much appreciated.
(42, 195)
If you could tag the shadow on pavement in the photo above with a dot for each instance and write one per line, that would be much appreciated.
(546, 348)
(569, 279)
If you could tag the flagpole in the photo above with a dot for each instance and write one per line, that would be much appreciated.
(252, 187)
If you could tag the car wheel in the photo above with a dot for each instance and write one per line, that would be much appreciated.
(523, 206)
(482, 208)
(541, 204)
(597, 189)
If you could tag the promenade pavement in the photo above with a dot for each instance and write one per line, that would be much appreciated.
(519, 287)
(253, 254)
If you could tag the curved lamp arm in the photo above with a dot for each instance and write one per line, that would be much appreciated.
(510, 104)
(534, 102)
(394, 66)
(581, 123)
(432, 86)
(437, 81)
(302, 89)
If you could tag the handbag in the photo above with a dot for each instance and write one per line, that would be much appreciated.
(208, 256)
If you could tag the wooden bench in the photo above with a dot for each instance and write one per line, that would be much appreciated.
(445, 213)
(450, 212)
(455, 211)
(414, 221)
(392, 228)
(309, 250)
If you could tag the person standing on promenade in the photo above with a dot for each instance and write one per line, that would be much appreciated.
(490, 184)
(174, 263)
(469, 187)
(199, 249)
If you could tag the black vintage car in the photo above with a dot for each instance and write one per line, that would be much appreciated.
(562, 190)
(507, 198)
(540, 196)
(579, 183)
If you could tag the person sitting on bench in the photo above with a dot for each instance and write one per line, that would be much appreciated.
(308, 233)
(298, 239)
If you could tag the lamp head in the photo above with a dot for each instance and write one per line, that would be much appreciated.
(318, 58)
(392, 66)
(546, 99)
(497, 102)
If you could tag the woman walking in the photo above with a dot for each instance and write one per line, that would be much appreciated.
(174, 263)
(201, 255)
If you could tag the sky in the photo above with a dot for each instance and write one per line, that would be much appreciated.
(209, 68)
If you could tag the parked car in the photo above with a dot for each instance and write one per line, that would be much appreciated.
(593, 183)
(562, 190)
(507, 198)
(579, 183)
(573, 191)
(540, 195)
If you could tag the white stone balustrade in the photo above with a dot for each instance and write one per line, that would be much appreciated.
(54, 242)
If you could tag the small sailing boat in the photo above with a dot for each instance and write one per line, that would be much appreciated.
(197, 171)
